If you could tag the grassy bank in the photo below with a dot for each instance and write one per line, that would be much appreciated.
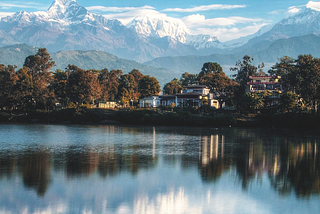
(135, 117)
(153, 117)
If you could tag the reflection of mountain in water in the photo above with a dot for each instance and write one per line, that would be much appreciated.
(291, 163)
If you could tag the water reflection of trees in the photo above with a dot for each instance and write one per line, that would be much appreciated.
(291, 163)
(290, 166)
(34, 166)
(299, 170)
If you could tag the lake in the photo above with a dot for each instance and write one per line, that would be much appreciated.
(130, 169)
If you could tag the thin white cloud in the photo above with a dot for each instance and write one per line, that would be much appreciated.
(129, 15)
(313, 5)
(226, 34)
(294, 10)
(204, 8)
(124, 14)
(117, 9)
(5, 14)
(200, 20)
(8, 5)
(223, 28)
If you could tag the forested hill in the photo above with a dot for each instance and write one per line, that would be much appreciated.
(16, 54)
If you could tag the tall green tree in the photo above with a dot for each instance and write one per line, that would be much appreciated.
(173, 87)
(148, 86)
(288, 101)
(285, 68)
(217, 82)
(210, 67)
(59, 85)
(244, 69)
(301, 76)
(189, 79)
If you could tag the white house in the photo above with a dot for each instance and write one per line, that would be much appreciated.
(149, 102)
(192, 95)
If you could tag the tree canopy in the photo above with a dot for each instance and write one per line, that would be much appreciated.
(173, 87)
(148, 86)
(301, 76)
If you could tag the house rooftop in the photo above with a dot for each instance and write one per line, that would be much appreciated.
(266, 76)
(196, 86)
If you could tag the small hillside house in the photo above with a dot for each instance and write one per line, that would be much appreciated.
(270, 84)
(263, 83)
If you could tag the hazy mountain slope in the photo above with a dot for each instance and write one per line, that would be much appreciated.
(309, 44)
(16, 54)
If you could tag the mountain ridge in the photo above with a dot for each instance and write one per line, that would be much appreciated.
(97, 60)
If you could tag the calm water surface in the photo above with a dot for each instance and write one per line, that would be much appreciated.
(118, 169)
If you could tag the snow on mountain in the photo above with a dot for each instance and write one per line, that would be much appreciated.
(304, 23)
(307, 16)
(160, 25)
(68, 11)
(203, 41)
(66, 25)
(61, 12)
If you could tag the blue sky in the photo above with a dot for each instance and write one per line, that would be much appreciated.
(229, 19)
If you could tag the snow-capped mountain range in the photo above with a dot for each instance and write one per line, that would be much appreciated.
(66, 25)
(159, 26)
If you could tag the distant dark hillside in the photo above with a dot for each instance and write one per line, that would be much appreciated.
(261, 52)
(16, 54)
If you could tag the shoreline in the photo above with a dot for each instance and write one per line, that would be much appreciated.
(158, 118)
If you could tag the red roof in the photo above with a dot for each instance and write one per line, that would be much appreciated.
(261, 83)
(262, 77)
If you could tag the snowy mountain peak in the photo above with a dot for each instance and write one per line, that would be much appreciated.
(159, 26)
(203, 41)
(68, 10)
(307, 15)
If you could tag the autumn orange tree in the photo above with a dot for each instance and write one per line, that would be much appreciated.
(8, 79)
(172, 87)
(148, 86)
(39, 68)
(82, 86)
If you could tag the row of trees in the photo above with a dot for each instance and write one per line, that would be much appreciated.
(300, 80)
(36, 86)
